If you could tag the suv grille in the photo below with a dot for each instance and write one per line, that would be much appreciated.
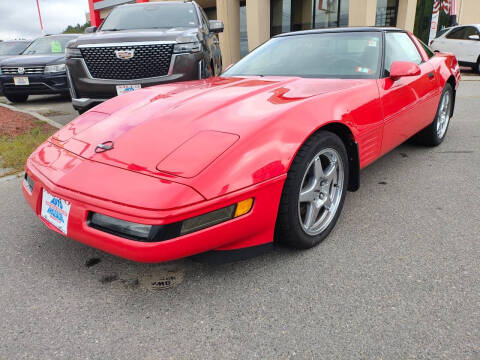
(147, 61)
(28, 70)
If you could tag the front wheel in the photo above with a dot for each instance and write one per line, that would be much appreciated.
(208, 70)
(17, 98)
(434, 134)
(314, 192)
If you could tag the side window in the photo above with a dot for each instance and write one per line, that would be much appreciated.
(399, 47)
(456, 33)
(470, 30)
(204, 19)
(441, 32)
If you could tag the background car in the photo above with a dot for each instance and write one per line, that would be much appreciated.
(266, 151)
(12, 48)
(140, 45)
(464, 42)
(39, 70)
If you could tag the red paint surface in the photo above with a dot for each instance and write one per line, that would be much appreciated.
(184, 149)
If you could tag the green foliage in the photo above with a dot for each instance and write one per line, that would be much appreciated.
(14, 151)
(423, 19)
(77, 29)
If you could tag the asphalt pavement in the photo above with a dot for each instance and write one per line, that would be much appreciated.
(55, 107)
(398, 278)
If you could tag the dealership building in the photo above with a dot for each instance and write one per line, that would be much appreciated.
(249, 23)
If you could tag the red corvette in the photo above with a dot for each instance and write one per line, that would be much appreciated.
(264, 153)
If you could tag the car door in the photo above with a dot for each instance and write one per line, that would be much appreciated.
(452, 43)
(409, 103)
(470, 48)
(449, 42)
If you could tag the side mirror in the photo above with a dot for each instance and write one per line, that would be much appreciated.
(403, 68)
(215, 26)
(474, 37)
(90, 29)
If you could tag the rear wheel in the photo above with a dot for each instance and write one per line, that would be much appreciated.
(314, 192)
(434, 134)
(17, 98)
(476, 67)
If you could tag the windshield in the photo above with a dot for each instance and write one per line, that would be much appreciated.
(151, 16)
(48, 45)
(320, 55)
(12, 48)
(443, 31)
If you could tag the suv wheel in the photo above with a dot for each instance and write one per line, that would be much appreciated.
(17, 98)
(208, 71)
(476, 67)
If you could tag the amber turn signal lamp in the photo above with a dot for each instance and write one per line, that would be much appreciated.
(243, 207)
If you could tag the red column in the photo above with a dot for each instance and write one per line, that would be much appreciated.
(95, 19)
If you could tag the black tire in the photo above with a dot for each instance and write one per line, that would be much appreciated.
(66, 96)
(288, 228)
(476, 67)
(17, 98)
(208, 70)
(429, 135)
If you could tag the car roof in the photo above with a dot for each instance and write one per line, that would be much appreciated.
(447, 30)
(157, 3)
(16, 41)
(341, 29)
(61, 35)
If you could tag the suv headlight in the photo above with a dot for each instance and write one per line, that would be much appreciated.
(55, 68)
(192, 47)
(72, 53)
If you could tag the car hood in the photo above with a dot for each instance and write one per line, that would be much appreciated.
(179, 129)
(132, 36)
(7, 57)
(26, 60)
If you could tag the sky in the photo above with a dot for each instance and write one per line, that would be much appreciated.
(19, 18)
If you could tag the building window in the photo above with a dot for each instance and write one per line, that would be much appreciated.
(330, 13)
(294, 15)
(280, 16)
(387, 11)
(243, 31)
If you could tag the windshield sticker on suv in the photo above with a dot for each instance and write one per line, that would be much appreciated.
(363, 70)
(56, 47)
(372, 42)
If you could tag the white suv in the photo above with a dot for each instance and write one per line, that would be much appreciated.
(464, 42)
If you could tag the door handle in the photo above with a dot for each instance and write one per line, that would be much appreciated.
(431, 75)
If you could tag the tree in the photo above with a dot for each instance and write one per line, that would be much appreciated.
(77, 29)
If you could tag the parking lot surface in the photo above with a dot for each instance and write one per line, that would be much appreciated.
(398, 278)
(54, 107)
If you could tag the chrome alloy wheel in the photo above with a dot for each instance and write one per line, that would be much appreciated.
(321, 191)
(444, 114)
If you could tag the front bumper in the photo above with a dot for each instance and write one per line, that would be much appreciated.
(39, 84)
(87, 91)
(120, 200)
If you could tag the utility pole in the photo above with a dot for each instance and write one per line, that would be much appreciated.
(40, 18)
